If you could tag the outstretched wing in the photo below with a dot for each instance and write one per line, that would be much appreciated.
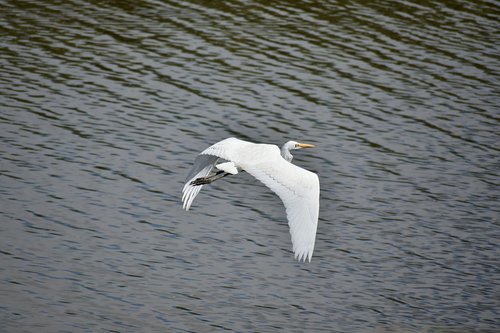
(297, 187)
(299, 191)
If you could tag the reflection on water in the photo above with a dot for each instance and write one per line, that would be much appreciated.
(104, 106)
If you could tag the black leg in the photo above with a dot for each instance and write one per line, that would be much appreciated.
(207, 180)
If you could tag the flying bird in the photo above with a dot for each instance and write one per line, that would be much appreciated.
(297, 188)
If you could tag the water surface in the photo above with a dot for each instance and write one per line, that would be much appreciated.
(104, 106)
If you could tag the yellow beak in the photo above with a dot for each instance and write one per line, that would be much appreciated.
(304, 145)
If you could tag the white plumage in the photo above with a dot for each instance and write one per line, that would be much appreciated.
(298, 188)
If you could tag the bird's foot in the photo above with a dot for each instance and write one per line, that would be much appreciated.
(200, 181)
(209, 179)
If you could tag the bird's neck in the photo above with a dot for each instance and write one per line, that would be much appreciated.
(285, 153)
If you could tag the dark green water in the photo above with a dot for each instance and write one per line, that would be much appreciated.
(105, 104)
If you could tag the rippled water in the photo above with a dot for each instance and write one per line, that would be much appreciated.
(104, 106)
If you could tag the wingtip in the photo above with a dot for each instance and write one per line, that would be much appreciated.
(303, 256)
(188, 195)
(185, 202)
(186, 205)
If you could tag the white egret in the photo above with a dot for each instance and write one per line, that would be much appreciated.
(298, 188)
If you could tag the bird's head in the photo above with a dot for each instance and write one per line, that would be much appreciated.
(292, 145)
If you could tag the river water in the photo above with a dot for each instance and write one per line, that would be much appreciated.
(105, 104)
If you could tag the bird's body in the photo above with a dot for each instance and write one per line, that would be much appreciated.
(298, 188)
